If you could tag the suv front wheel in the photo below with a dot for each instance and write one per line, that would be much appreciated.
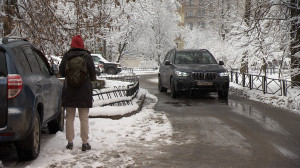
(29, 148)
(111, 71)
(223, 94)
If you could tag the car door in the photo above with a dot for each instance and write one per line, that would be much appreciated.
(54, 83)
(169, 69)
(163, 69)
(30, 87)
(41, 80)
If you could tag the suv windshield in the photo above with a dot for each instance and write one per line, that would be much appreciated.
(194, 57)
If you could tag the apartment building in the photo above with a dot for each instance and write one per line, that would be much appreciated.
(194, 13)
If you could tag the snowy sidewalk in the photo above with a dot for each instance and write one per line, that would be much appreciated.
(111, 140)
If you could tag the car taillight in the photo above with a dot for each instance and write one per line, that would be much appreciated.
(101, 66)
(14, 85)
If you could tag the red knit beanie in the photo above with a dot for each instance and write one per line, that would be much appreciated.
(77, 42)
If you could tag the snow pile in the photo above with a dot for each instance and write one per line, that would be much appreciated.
(291, 103)
(110, 86)
(97, 110)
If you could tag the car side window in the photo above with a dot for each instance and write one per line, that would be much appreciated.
(22, 59)
(3, 70)
(32, 59)
(43, 65)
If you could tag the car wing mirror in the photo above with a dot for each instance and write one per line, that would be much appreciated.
(221, 63)
(54, 69)
(167, 62)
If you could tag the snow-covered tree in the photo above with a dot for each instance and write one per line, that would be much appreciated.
(51, 24)
(148, 28)
(267, 25)
(257, 33)
(294, 6)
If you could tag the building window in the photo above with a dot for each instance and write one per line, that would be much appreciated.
(200, 2)
(190, 13)
(191, 2)
(201, 24)
(201, 13)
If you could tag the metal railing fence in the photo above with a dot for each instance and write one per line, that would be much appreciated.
(265, 84)
(121, 95)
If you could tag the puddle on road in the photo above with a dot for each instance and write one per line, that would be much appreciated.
(241, 109)
(253, 114)
(216, 133)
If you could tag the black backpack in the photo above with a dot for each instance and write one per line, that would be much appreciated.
(76, 71)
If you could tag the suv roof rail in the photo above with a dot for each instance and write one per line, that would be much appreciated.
(6, 40)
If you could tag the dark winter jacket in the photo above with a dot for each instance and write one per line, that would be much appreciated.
(78, 97)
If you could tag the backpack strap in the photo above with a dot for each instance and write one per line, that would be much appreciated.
(83, 56)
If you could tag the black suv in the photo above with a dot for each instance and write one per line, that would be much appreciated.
(190, 70)
(30, 96)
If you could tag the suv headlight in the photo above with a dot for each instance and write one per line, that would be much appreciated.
(223, 74)
(182, 74)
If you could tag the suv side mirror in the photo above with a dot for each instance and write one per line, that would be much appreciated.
(54, 69)
(221, 63)
(167, 62)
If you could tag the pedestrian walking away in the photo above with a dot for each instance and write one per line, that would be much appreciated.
(78, 69)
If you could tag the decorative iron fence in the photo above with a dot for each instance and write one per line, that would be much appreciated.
(265, 84)
(121, 95)
(269, 70)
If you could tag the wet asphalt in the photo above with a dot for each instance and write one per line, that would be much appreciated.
(213, 133)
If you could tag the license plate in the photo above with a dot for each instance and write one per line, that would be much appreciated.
(204, 83)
